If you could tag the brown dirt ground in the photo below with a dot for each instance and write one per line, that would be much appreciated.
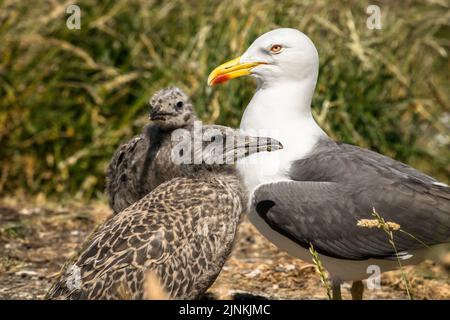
(36, 239)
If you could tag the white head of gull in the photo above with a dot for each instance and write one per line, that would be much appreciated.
(285, 63)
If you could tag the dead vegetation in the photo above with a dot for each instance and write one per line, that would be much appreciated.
(36, 239)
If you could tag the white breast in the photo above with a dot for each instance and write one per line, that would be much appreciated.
(282, 113)
(266, 167)
(263, 168)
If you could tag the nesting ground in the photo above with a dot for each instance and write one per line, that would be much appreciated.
(35, 240)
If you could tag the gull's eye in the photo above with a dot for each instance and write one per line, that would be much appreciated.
(276, 48)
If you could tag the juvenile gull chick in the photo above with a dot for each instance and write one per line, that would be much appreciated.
(141, 164)
(182, 232)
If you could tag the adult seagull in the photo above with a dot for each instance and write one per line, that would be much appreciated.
(317, 191)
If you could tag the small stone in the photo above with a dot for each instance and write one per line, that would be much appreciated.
(26, 273)
(253, 273)
(445, 260)
(289, 267)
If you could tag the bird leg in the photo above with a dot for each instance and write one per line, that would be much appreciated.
(336, 288)
(357, 290)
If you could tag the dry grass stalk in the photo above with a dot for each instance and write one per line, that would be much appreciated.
(374, 223)
(321, 270)
(389, 232)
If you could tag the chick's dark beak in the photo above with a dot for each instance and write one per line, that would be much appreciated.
(154, 113)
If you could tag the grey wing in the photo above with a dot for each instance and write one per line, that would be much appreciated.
(177, 230)
(341, 162)
(326, 215)
(332, 190)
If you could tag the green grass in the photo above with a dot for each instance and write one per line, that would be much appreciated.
(14, 230)
(69, 97)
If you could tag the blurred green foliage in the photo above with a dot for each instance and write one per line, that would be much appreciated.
(68, 98)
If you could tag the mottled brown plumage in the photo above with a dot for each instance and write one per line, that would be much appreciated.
(183, 231)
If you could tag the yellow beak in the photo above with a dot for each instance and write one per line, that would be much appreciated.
(230, 70)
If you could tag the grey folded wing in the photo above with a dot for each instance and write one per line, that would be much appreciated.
(335, 188)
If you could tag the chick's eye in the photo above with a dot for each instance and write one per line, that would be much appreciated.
(276, 48)
(216, 138)
(179, 104)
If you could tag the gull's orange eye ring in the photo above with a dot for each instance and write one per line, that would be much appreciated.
(276, 48)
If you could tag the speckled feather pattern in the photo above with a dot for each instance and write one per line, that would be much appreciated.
(183, 230)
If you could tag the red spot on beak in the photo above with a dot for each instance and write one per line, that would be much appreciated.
(221, 79)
